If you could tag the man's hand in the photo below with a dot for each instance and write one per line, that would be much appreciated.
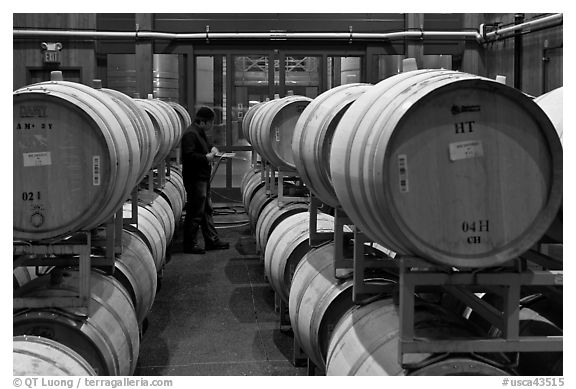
(214, 150)
(210, 157)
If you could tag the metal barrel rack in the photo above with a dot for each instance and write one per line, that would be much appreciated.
(274, 180)
(531, 269)
(78, 250)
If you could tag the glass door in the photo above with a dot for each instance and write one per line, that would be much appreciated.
(231, 83)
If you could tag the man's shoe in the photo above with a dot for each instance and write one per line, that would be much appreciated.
(218, 245)
(194, 250)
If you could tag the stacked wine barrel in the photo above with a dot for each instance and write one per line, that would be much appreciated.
(79, 153)
(456, 169)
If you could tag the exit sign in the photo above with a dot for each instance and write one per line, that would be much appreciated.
(50, 56)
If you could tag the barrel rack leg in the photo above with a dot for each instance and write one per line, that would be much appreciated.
(285, 324)
(316, 238)
(299, 357)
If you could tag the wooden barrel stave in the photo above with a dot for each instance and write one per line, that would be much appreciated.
(248, 118)
(150, 230)
(552, 104)
(254, 184)
(256, 205)
(272, 214)
(38, 356)
(176, 177)
(313, 137)
(172, 194)
(162, 129)
(286, 247)
(160, 208)
(185, 119)
(136, 270)
(175, 123)
(253, 171)
(108, 338)
(148, 143)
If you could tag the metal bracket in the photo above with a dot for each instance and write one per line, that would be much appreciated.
(80, 245)
(416, 272)
(283, 174)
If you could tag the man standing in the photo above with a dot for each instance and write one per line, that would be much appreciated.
(197, 154)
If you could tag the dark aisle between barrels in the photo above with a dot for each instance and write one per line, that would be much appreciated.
(214, 313)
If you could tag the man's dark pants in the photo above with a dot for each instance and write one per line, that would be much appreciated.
(198, 214)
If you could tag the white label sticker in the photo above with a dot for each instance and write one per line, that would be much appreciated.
(403, 173)
(277, 134)
(466, 150)
(43, 158)
(96, 170)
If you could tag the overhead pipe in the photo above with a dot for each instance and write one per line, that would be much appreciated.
(245, 35)
(531, 23)
(279, 35)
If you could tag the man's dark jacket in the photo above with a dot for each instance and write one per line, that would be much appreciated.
(195, 146)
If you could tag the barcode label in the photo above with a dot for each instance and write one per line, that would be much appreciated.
(96, 170)
(403, 173)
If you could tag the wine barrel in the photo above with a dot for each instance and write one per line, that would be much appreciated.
(150, 230)
(160, 208)
(313, 137)
(172, 193)
(286, 247)
(183, 115)
(145, 130)
(38, 356)
(454, 168)
(75, 157)
(253, 184)
(272, 214)
(365, 342)
(256, 205)
(253, 171)
(272, 127)
(175, 122)
(136, 270)
(248, 118)
(176, 176)
(317, 302)
(108, 338)
(162, 128)
(552, 104)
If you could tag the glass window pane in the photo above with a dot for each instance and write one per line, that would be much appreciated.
(302, 75)
(389, 65)
(240, 165)
(250, 88)
(438, 61)
(211, 92)
(344, 70)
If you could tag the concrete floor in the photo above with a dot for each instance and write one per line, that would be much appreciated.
(214, 314)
